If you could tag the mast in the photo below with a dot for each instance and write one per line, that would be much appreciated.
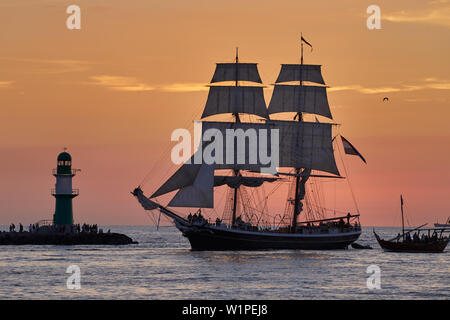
(236, 172)
(299, 116)
(403, 223)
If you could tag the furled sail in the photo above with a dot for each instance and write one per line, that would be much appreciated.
(300, 72)
(306, 145)
(234, 99)
(200, 193)
(310, 99)
(236, 72)
(237, 181)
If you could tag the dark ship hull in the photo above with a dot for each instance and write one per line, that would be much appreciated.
(438, 246)
(216, 238)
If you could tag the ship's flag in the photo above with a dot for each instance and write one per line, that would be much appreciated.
(350, 149)
(401, 199)
(309, 44)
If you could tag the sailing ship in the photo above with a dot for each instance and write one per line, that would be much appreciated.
(423, 240)
(305, 149)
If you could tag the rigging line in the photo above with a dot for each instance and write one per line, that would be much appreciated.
(322, 192)
(406, 216)
(189, 124)
(219, 202)
(166, 174)
(316, 197)
(348, 178)
(331, 210)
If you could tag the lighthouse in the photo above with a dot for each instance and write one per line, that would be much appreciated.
(63, 191)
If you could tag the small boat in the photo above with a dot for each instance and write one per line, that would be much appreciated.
(425, 242)
(443, 225)
(437, 244)
(360, 246)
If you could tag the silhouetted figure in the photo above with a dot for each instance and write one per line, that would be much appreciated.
(408, 237)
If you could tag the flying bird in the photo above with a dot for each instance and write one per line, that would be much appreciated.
(385, 99)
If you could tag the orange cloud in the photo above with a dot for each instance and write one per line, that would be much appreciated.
(6, 84)
(437, 16)
(120, 83)
(428, 83)
(184, 87)
(53, 66)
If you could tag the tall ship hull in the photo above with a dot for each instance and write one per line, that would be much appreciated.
(214, 238)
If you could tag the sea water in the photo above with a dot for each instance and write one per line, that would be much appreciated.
(162, 266)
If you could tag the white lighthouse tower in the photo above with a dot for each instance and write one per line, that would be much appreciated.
(63, 191)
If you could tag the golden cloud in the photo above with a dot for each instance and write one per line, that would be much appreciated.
(437, 16)
(6, 84)
(428, 83)
(120, 83)
(184, 87)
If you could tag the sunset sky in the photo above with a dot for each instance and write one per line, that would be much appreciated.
(114, 91)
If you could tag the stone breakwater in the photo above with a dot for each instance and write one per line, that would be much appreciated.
(58, 238)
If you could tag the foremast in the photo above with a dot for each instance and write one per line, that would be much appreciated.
(194, 180)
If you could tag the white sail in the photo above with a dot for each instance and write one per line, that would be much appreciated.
(306, 145)
(236, 72)
(200, 193)
(232, 99)
(300, 72)
(290, 98)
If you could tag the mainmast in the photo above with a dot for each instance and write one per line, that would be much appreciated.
(305, 146)
(237, 119)
(403, 222)
(298, 198)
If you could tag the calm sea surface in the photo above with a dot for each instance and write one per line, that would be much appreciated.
(162, 266)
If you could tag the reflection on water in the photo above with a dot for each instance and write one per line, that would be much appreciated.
(161, 266)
